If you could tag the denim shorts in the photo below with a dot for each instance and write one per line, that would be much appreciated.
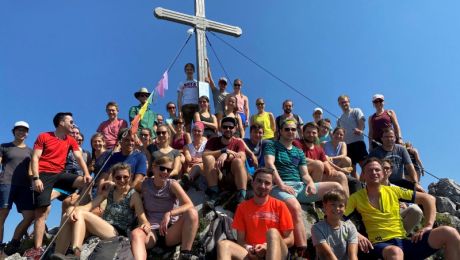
(20, 195)
(300, 195)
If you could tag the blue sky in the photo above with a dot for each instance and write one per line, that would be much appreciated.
(78, 55)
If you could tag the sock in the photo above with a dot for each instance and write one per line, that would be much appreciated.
(214, 188)
(242, 193)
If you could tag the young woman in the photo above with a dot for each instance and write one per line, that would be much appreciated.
(171, 109)
(170, 213)
(180, 138)
(124, 204)
(162, 148)
(242, 102)
(193, 155)
(98, 154)
(209, 120)
(265, 119)
(231, 111)
(187, 96)
(336, 150)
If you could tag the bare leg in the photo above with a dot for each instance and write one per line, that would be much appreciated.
(21, 228)
(87, 221)
(210, 172)
(227, 250)
(196, 171)
(316, 169)
(140, 242)
(447, 238)
(184, 230)
(339, 177)
(276, 248)
(239, 172)
(64, 238)
(39, 227)
(3, 215)
(327, 186)
(300, 235)
(392, 253)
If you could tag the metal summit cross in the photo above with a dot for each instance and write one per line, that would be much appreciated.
(201, 25)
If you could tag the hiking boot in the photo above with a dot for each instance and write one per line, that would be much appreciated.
(212, 198)
(59, 256)
(185, 181)
(12, 247)
(187, 256)
(34, 253)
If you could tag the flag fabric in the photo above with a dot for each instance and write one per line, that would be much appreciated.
(162, 85)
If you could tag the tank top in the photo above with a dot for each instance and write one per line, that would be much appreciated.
(178, 143)
(330, 150)
(195, 153)
(119, 214)
(208, 131)
(264, 120)
(158, 201)
(380, 122)
(239, 103)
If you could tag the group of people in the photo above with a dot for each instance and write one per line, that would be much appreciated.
(135, 183)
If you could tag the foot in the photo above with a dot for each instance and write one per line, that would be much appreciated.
(12, 247)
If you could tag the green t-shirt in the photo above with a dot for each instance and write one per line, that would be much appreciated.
(148, 121)
(287, 162)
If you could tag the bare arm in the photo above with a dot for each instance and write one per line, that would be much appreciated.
(209, 77)
(188, 139)
(288, 238)
(216, 153)
(184, 200)
(246, 108)
(138, 179)
(429, 212)
(371, 130)
(196, 117)
(272, 122)
(187, 155)
(352, 251)
(136, 203)
(394, 120)
(412, 173)
(241, 126)
(179, 102)
(324, 251)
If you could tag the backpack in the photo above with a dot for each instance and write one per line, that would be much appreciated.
(219, 229)
(118, 248)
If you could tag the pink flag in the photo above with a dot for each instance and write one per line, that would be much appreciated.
(162, 85)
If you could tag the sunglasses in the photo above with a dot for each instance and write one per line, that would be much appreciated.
(161, 132)
(144, 95)
(377, 101)
(237, 85)
(228, 127)
(260, 104)
(289, 129)
(163, 168)
(119, 178)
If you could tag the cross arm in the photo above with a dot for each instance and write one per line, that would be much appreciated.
(170, 15)
(224, 28)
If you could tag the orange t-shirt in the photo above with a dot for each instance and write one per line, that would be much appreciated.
(255, 219)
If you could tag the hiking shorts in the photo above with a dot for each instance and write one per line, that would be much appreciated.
(300, 195)
(357, 152)
(419, 250)
(62, 181)
(22, 196)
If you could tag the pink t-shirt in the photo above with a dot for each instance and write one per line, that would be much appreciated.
(110, 131)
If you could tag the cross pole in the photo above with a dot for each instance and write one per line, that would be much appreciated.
(201, 25)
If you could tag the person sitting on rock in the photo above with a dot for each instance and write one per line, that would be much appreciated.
(194, 155)
(226, 155)
(336, 150)
(294, 184)
(172, 218)
(379, 207)
(255, 148)
(124, 205)
(263, 224)
(332, 237)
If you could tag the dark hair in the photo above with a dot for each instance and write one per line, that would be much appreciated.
(337, 129)
(387, 161)
(122, 134)
(229, 119)
(59, 117)
(322, 121)
(343, 96)
(204, 97)
(148, 129)
(287, 100)
(265, 170)
(178, 120)
(311, 125)
(163, 159)
(119, 167)
(191, 65)
(387, 130)
(256, 127)
(335, 195)
(170, 103)
(370, 160)
(111, 104)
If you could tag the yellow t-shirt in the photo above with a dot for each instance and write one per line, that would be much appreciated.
(385, 224)
(264, 120)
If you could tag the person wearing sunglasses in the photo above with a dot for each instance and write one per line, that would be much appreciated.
(170, 212)
(380, 120)
(294, 184)
(226, 155)
(265, 119)
(124, 205)
(242, 102)
(150, 118)
(187, 96)
(231, 111)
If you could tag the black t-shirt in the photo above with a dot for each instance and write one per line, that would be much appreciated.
(15, 162)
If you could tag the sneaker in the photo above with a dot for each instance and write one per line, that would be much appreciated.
(34, 253)
(187, 256)
(12, 247)
(212, 199)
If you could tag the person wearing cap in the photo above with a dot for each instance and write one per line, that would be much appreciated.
(218, 94)
(15, 185)
(150, 118)
(109, 128)
(187, 96)
(226, 155)
(47, 165)
(317, 114)
(380, 120)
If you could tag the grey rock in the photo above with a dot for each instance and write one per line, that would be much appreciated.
(446, 188)
(448, 220)
(89, 247)
(444, 204)
(16, 256)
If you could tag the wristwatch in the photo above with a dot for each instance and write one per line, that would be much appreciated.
(223, 150)
(35, 178)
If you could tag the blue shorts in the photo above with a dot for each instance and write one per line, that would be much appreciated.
(300, 195)
(19, 195)
(243, 118)
(419, 250)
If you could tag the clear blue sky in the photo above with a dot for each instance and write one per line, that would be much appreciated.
(78, 55)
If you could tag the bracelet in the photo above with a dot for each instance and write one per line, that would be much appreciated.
(35, 178)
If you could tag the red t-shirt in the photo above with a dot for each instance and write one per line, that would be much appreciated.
(215, 144)
(254, 220)
(317, 153)
(54, 151)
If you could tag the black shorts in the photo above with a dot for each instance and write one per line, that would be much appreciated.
(52, 180)
(419, 250)
(188, 111)
(357, 152)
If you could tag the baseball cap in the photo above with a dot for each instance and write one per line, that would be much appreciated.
(224, 79)
(21, 123)
(378, 96)
(318, 109)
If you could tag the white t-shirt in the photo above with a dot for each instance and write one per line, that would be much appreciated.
(189, 91)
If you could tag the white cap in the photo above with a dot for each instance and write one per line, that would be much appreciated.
(224, 79)
(21, 123)
(377, 96)
(318, 109)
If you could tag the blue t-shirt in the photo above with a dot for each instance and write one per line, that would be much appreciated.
(136, 160)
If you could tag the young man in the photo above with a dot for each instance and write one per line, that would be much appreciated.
(150, 118)
(403, 169)
(109, 128)
(226, 155)
(352, 120)
(263, 223)
(218, 94)
(379, 207)
(294, 184)
(15, 184)
(333, 238)
(325, 134)
(288, 105)
(47, 163)
(187, 96)
(255, 147)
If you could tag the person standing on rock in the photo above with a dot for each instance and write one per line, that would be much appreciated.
(264, 225)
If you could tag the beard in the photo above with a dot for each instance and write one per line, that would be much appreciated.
(287, 110)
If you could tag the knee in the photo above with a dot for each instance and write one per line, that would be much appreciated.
(223, 246)
(294, 208)
(272, 234)
(450, 234)
(192, 215)
(208, 161)
(393, 252)
(347, 161)
(237, 162)
(137, 235)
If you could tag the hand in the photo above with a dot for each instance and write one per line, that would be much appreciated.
(37, 185)
(146, 228)
(87, 178)
(311, 188)
(419, 188)
(402, 205)
(260, 249)
(221, 160)
(357, 131)
(164, 223)
(287, 189)
(255, 162)
(419, 235)
(364, 244)
(234, 154)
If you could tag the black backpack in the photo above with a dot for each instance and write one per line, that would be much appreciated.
(115, 248)
(219, 229)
